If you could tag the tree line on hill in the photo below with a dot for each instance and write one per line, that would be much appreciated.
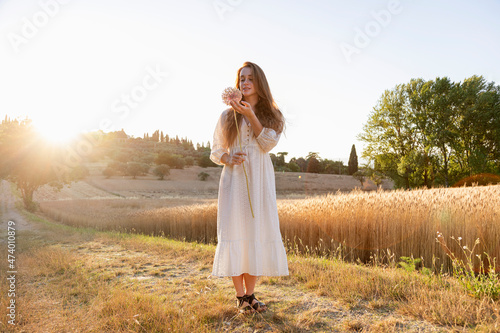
(177, 153)
(312, 163)
(435, 132)
(30, 162)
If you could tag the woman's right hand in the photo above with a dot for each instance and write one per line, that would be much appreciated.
(234, 159)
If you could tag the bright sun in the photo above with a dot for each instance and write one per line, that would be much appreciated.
(56, 133)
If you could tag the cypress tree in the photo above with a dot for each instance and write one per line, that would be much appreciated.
(352, 167)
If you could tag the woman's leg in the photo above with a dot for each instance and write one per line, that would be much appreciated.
(242, 303)
(238, 285)
(250, 281)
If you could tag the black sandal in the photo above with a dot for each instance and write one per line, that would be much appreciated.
(258, 306)
(244, 308)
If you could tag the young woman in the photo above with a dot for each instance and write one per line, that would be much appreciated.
(248, 246)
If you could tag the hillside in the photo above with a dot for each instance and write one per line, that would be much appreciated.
(185, 183)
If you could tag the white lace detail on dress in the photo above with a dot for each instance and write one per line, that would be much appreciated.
(268, 139)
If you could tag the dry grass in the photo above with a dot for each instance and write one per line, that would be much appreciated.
(368, 226)
(88, 281)
(434, 298)
(404, 222)
(63, 293)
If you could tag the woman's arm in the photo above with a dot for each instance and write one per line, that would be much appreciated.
(248, 112)
(267, 138)
(220, 155)
(218, 149)
(235, 159)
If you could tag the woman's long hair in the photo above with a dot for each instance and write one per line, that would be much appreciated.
(266, 109)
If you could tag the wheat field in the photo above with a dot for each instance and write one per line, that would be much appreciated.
(363, 226)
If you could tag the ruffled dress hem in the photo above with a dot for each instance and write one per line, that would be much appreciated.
(258, 258)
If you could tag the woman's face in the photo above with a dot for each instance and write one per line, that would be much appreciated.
(246, 82)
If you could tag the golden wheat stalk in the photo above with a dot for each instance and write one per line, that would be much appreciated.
(243, 163)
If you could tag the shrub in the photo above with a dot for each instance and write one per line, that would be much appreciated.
(118, 167)
(162, 158)
(144, 168)
(481, 179)
(146, 158)
(135, 169)
(203, 176)
(108, 172)
(204, 161)
(161, 171)
(173, 160)
(360, 176)
(176, 161)
(189, 160)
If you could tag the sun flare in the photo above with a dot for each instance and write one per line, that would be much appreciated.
(56, 133)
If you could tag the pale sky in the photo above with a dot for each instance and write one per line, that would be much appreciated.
(75, 66)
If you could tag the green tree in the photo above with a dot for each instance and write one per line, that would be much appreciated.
(478, 123)
(442, 124)
(360, 176)
(204, 160)
(419, 96)
(390, 137)
(118, 167)
(313, 163)
(156, 136)
(29, 162)
(134, 169)
(300, 162)
(274, 159)
(435, 132)
(162, 158)
(293, 167)
(281, 159)
(352, 165)
(176, 161)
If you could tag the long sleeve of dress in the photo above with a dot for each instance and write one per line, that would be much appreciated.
(268, 139)
(217, 149)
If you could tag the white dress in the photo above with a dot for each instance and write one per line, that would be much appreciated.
(246, 244)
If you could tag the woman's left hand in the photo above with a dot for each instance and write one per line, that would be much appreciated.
(244, 108)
